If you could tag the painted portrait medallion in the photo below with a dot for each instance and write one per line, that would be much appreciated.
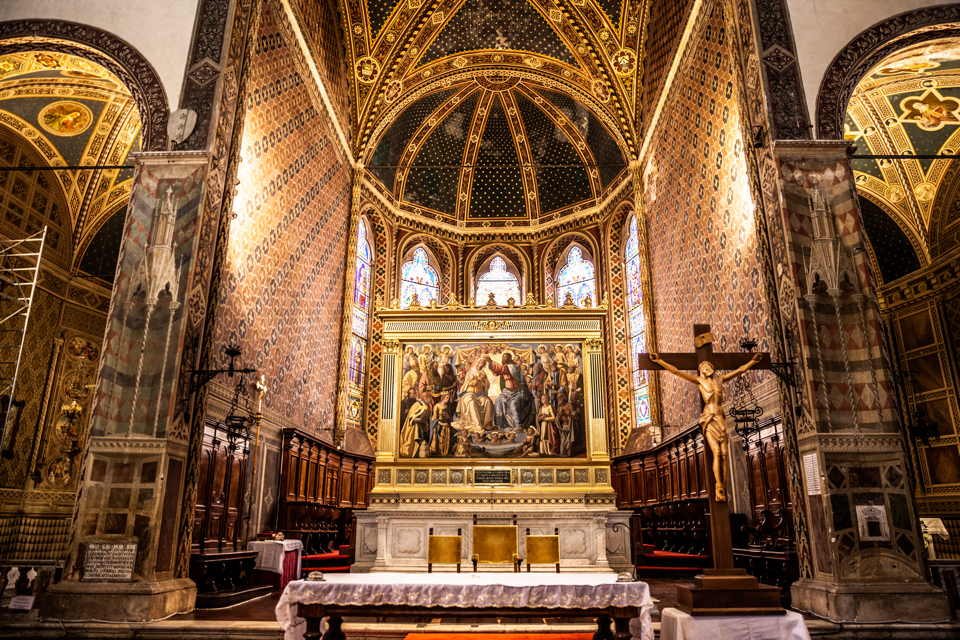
(65, 118)
(492, 400)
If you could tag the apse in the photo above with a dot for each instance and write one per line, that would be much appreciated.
(496, 150)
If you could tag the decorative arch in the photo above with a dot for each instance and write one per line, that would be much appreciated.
(361, 303)
(554, 254)
(576, 277)
(440, 254)
(945, 222)
(635, 300)
(106, 49)
(870, 47)
(419, 277)
(478, 261)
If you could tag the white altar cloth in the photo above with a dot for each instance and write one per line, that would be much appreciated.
(270, 553)
(677, 625)
(467, 590)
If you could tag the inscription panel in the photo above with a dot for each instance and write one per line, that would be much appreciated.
(109, 561)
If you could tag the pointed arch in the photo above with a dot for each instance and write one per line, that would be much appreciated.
(554, 253)
(636, 320)
(575, 275)
(500, 278)
(478, 262)
(420, 277)
(361, 303)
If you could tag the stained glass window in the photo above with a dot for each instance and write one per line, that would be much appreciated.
(360, 314)
(499, 281)
(636, 324)
(577, 278)
(418, 277)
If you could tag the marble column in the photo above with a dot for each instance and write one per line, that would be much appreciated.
(865, 549)
(132, 483)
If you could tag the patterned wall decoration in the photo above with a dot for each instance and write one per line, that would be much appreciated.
(281, 298)
(664, 28)
(704, 252)
(320, 21)
(788, 106)
(203, 69)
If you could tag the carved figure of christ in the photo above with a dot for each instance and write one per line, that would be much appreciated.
(712, 421)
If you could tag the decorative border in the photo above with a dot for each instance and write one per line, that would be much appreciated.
(204, 69)
(106, 49)
(866, 50)
(787, 104)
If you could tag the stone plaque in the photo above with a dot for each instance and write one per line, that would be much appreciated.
(811, 469)
(106, 561)
(491, 476)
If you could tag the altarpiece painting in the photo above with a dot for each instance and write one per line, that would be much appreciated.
(492, 400)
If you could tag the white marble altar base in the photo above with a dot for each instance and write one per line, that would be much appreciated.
(396, 540)
(563, 592)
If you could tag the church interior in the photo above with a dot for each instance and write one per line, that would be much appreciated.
(471, 318)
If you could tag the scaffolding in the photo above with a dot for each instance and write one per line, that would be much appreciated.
(19, 270)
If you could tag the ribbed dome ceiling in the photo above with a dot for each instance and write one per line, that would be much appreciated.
(497, 148)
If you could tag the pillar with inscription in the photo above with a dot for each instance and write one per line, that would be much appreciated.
(865, 551)
(122, 561)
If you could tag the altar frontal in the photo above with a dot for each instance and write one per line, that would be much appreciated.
(492, 416)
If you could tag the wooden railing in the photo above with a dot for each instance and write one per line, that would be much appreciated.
(666, 488)
(320, 487)
(946, 575)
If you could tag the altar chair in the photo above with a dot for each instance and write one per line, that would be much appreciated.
(444, 550)
(543, 549)
(495, 544)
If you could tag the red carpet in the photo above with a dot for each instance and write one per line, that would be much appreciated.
(498, 636)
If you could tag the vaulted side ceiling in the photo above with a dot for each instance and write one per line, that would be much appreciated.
(62, 110)
(909, 104)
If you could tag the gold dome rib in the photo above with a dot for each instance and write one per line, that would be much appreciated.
(422, 133)
(471, 147)
(572, 134)
(521, 144)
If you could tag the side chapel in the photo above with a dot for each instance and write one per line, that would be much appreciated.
(361, 275)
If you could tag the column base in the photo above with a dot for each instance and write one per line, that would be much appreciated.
(118, 601)
(870, 602)
(729, 592)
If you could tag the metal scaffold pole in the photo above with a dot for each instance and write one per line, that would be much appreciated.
(19, 272)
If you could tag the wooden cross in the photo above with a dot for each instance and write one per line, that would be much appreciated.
(720, 538)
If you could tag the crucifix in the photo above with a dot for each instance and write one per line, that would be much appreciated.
(718, 589)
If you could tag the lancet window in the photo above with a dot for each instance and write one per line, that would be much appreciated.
(636, 323)
(577, 277)
(360, 312)
(500, 280)
(418, 277)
